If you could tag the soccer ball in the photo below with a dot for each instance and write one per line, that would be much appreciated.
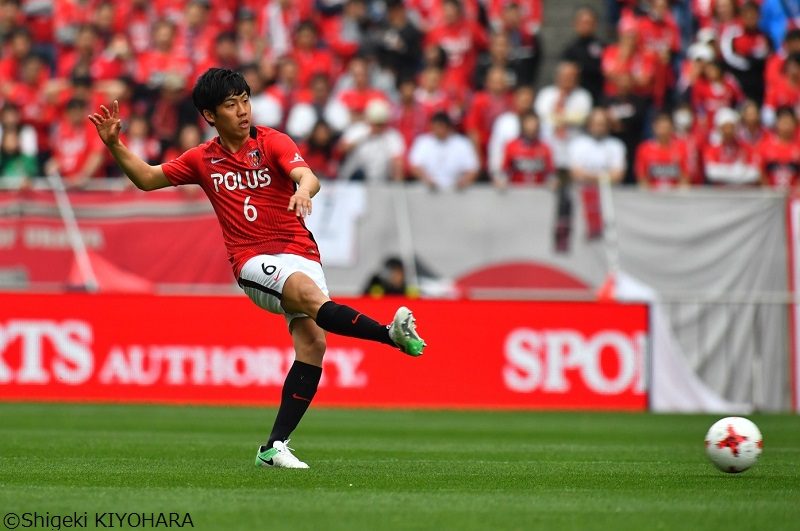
(733, 444)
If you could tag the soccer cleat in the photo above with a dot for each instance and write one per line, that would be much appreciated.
(279, 456)
(403, 331)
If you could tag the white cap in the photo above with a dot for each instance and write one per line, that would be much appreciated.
(701, 52)
(377, 111)
(707, 35)
(726, 116)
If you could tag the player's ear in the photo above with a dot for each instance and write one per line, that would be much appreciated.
(209, 117)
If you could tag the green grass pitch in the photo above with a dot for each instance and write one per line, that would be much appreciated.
(385, 470)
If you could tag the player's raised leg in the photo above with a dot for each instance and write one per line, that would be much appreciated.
(299, 389)
(302, 295)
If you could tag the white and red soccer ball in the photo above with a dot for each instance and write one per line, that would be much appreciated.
(733, 444)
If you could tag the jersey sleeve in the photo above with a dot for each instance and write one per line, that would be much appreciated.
(183, 170)
(285, 154)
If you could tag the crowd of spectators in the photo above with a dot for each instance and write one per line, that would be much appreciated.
(447, 92)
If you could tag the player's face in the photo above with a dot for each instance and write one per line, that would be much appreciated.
(233, 116)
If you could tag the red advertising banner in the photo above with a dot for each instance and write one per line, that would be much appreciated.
(224, 350)
(141, 236)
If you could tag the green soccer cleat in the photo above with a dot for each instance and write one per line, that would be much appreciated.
(279, 456)
(403, 331)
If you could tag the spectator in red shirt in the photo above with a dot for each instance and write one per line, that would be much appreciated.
(162, 59)
(774, 69)
(745, 49)
(356, 97)
(310, 58)
(484, 109)
(527, 160)
(410, 117)
(661, 36)
(461, 39)
(11, 17)
(19, 47)
(78, 153)
(141, 141)
(78, 60)
(35, 98)
(780, 153)
(729, 161)
(715, 90)
(224, 55)
(196, 33)
(430, 95)
(662, 162)
(785, 92)
(345, 33)
(320, 152)
(137, 23)
(628, 57)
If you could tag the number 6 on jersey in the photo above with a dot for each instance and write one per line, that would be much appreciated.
(250, 212)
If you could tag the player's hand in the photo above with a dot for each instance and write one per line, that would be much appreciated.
(108, 123)
(300, 203)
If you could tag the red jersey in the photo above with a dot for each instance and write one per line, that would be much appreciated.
(662, 166)
(356, 100)
(780, 161)
(642, 65)
(528, 162)
(461, 43)
(708, 97)
(774, 69)
(73, 145)
(735, 163)
(311, 63)
(530, 11)
(250, 192)
(483, 111)
(782, 93)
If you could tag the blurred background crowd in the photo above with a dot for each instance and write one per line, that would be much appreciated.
(662, 93)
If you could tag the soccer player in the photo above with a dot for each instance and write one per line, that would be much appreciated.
(261, 189)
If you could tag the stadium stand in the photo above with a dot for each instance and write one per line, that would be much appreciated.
(315, 61)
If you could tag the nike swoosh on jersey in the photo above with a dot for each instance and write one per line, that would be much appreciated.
(214, 161)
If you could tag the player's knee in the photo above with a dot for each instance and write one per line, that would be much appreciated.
(307, 296)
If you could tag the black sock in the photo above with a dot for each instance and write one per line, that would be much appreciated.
(298, 392)
(345, 321)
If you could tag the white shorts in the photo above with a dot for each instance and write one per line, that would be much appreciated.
(263, 276)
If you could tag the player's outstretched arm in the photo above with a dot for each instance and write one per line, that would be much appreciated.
(143, 175)
(307, 187)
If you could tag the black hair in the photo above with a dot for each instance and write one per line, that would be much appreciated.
(794, 58)
(225, 36)
(215, 86)
(792, 34)
(785, 110)
(662, 116)
(442, 118)
(393, 262)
